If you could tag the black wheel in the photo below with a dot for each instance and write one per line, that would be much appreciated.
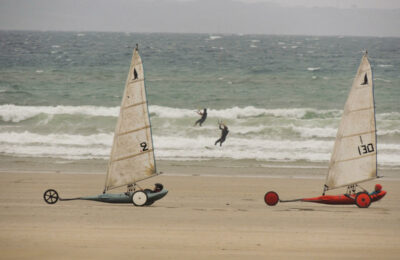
(139, 198)
(363, 200)
(50, 196)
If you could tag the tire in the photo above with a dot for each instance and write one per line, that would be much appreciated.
(139, 198)
(363, 200)
(50, 196)
(271, 198)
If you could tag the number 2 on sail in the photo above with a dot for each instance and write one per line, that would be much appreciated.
(144, 146)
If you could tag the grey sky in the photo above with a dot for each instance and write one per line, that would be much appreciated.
(379, 4)
(311, 17)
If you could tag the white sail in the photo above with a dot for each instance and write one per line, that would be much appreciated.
(132, 155)
(354, 155)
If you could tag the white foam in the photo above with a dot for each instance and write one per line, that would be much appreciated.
(13, 113)
(214, 37)
(385, 65)
(315, 131)
(181, 147)
(388, 132)
(384, 80)
(65, 152)
(56, 139)
(313, 68)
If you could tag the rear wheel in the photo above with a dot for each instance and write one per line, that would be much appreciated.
(271, 198)
(139, 198)
(363, 200)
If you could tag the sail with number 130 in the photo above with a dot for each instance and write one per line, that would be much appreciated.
(354, 155)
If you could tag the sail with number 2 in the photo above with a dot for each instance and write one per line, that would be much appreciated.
(132, 155)
(354, 157)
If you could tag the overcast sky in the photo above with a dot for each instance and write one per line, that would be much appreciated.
(310, 17)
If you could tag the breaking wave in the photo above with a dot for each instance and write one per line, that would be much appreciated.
(255, 133)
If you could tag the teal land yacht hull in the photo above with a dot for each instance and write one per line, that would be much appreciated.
(138, 198)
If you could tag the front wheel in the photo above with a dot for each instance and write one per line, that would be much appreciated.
(363, 200)
(139, 198)
(50, 196)
(271, 198)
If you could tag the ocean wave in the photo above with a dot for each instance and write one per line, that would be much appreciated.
(15, 114)
(51, 151)
(385, 65)
(313, 68)
(315, 131)
(97, 146)
(384, 80)
(388, 132)
(245, 112)
(214, 37)
(56, 139)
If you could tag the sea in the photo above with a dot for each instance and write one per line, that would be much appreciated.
(281, 97)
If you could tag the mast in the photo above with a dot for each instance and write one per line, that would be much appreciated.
(132, 154)
(354, 157)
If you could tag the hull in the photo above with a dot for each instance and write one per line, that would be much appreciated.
(125, 197)
(343, 199)
(361, 199)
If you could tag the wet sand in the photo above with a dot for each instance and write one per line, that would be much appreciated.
(202, 217)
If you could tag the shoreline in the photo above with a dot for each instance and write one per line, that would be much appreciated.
(228, 168)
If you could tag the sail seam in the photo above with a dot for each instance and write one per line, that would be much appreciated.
(356, 158)
(134, 81)
(131, 156)
(134, 105)
(346, 136)
(134, 130)
(360, 109)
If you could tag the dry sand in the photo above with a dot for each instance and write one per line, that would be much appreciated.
(200, 218)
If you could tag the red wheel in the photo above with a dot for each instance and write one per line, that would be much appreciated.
(271, 198)
(363, 200)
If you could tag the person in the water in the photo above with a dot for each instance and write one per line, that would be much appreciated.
(224, 133)
(203, 117)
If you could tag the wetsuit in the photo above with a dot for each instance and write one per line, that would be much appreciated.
(203, 117)
(223, 135)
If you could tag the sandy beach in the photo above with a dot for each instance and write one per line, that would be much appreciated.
(202, 217)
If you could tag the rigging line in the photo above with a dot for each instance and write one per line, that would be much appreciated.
(132, 155)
